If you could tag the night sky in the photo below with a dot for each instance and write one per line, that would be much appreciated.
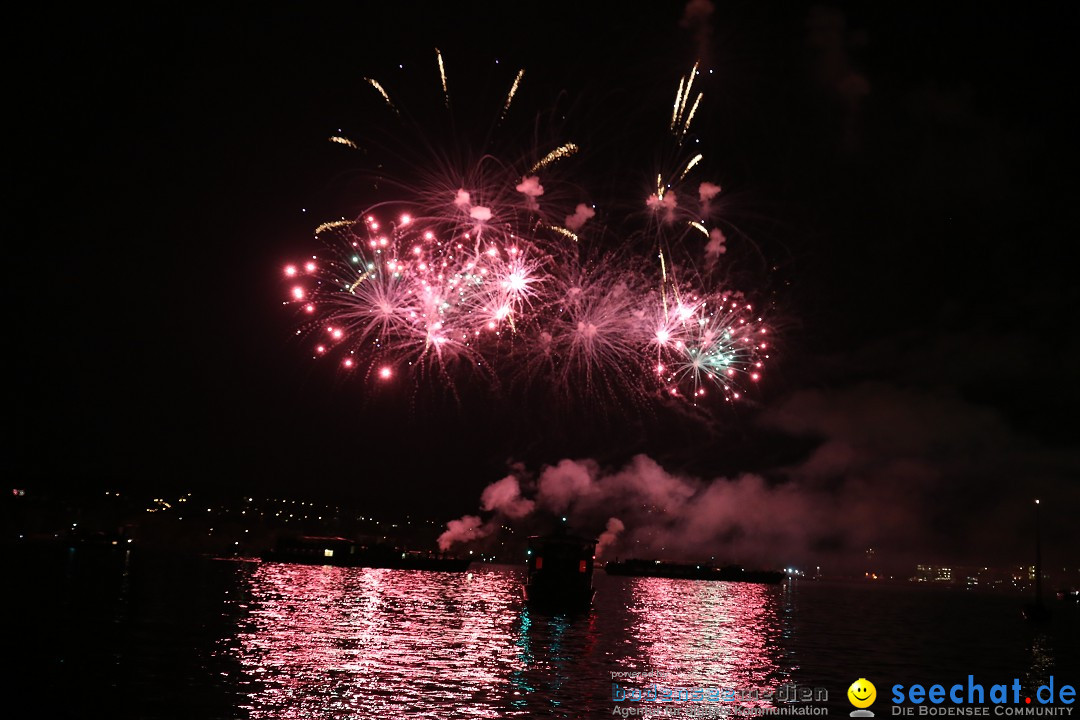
(905, 176)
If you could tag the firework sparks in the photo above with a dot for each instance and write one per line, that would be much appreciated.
(474, 274)
(382, 91)
(512, 93)
(442, 77)
(425, 295)
(710, 342)
(565, 232)
(343, 141)
(559, 153)
(332, 225)
(690, 165)
(680, 119)
(678, 104)
(690, 115)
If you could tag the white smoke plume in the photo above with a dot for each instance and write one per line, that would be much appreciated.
(463, 530)
(608, 537)
(582, 214)
(697, 18)
(918, 475)
(707, 191)
(658, 513)
(666, 204)
(505, 496)
(715, 247)
(463, 200)
(531, 188)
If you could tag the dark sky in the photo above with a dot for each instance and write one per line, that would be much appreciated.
(906, 174)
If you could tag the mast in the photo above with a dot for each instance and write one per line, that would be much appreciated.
(1038, 557)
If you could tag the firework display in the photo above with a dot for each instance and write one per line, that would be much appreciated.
(498, 273)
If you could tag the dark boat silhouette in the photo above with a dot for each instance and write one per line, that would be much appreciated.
(560, 570)
(342, 552)
(689, 571)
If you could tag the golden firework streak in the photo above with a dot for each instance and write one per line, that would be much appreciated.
(363, 276)
(678, 101)
(343, 141)
(686, 91)
(332, 224)
(690, 165)
(679, 117)
(690, 117)
(559, 153)
(375, 84)
(513, 91)
(442, 76)
(564, 232)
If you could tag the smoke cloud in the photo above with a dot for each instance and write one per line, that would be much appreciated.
(607, 538)
(582, 214)
(505, 497)
(463, 530)
(832, 43)
(697, 18)
(918, 476)
(531, 188)
(707, 191)
(463, 200)
(644, 509)
(715, 247)
(665, 204)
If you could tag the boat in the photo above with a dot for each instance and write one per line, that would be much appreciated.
(690, 571)
(343, 552)
(560, 570)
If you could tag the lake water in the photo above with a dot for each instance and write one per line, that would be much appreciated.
(187, 637)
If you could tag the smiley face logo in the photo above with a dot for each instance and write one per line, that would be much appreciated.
(862, 693)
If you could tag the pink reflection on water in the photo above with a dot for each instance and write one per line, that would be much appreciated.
(709, 634)
(327, 642)
(357, 642)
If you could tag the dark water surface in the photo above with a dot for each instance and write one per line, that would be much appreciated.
(180, 637)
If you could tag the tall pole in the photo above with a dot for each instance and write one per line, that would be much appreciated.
(1038, 557)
